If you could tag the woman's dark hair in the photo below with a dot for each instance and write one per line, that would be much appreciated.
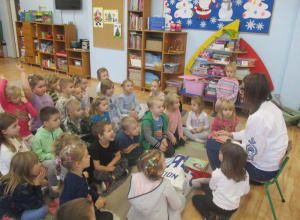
(257, 89)
(234, 161)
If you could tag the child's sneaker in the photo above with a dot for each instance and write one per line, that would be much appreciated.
(104, 185)
(126, 172)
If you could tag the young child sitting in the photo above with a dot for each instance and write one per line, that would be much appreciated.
(227, 185)
(67, 88)
(10, 141)
(156, 89)
(197, 122)
(51, 81)
(82, 83)
(128, 140)
(152, 196)
(75, 159)
(172, 89)
(126, 99)
(102, 74)
(77, 122)
(45, 136)
(226, 118)
(155, 127)
(78, 96)
(227, 87)
(20, 189)
(11, 101)
(106, 155)
(99, 111)
(175, 130)
(107, 90)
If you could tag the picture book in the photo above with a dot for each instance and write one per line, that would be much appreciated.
(47, 17)
(196, 164)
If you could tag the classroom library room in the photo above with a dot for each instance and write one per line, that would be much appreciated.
(149, 109)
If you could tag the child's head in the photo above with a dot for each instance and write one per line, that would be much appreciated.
(99, 106)
(63, 140)
(233, 158)
(197, 103)
(107, 87)
(24, 166)
(51, 81)
(170, 89)
(227, 110)
(127, 85)
(130, 126)
(155, 105)
(102, 74)
(13, 94)
(103, 130)
(66, 86)
(172, 101)
(80, 81)
(155, 86)
(50, 117)
(230, 69)
(77, 93)
(74, 109)
(9, 128)
(37, 84)
(81, 208)
(152, 163)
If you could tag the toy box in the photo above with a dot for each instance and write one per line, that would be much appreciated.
(154, 44)
(194, 84)
(245, 61)
(176, 83)
(171, 67)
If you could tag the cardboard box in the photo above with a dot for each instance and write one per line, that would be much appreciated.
(154, 44)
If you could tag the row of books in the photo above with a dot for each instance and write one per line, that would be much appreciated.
(135, 22)
(135, 41)
(136, 5)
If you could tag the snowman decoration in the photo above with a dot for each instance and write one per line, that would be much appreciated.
(226, 12)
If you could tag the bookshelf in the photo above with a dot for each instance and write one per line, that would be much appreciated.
(79, 62)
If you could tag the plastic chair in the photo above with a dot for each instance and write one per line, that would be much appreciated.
(270, 182)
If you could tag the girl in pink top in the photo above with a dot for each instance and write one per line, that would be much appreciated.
(175, 130)
(12, 102)
(226, 119)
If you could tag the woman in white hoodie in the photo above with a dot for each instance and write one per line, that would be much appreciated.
(153, 197)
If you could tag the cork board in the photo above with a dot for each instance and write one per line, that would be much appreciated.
(104, 33)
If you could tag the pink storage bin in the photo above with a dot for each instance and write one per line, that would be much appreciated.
(193, 87)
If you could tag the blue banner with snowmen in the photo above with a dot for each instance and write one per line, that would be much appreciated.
(255, 15)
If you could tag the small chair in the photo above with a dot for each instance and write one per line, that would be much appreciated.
(272, 181)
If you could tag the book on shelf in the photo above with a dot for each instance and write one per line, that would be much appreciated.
(135, 60)
(135, 40)
(135, 22)
(136, 5)
(196, 163)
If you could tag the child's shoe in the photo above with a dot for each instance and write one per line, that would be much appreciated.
(104, 185)
(126, 172)
(211, 217)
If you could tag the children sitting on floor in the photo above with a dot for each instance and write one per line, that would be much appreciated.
(106, 155)
(154, 128)
(46, 135)
(128, 140)
(67, 88)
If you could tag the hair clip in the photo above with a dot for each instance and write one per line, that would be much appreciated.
(156, 157)
(57, 161)
(151, 171)
(150, 161)
(144, 166)
(69, 149)
(58, 177)
(70, 159)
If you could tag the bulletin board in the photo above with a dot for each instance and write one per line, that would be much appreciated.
(103, 31)
(255, 15)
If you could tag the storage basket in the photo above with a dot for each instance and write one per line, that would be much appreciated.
(289, 118)
(193, 87)
(171, 67)
(176, 83)
(154, 44)
(135, 76)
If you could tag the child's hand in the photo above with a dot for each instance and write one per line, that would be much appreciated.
(120, 118)
(215, 133)
(110, 169)
(224, 133)
(200, 129)
(100, 202)
(129, 112)
(222, 99)
(20, 67)
(113, 122)
(194, 131)
(86, 174)
(173, 141)
(163, 148)
(86, 112)
(24, 100)
(164, 142)
(136, 116)
(183, 138)
(1, 77)
(37, 181)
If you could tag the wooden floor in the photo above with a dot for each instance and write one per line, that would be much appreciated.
(254, 205)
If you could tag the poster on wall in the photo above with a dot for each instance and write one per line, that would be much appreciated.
(98, 17)
(117, 30)
(110, 16)
(255, 15)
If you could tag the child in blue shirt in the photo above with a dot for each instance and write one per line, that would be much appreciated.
(128, 140)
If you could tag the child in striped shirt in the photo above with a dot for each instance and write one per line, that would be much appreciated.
(227, 87)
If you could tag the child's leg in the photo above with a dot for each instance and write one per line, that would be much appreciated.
(202, 136)
(101, 175)
(35, 213)
(141, 114)
(170, 150)
(116, 128)
(100, 215)
(125, 115)
(217, 105)
(121, 166)
(189, 134)
(133, 155)
(180, 142)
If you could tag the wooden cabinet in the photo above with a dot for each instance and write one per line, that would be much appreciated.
(79, 62)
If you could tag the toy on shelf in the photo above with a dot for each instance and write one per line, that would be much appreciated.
(177, 47)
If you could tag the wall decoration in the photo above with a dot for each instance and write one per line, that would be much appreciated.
(117, 30)
(255, 15)
(110, 16)
(98, 17)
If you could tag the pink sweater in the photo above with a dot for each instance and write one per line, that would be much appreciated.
(225, 125)
(174, 122)
(20, 111)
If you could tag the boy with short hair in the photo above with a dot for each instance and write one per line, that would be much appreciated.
(79, 96)
(45, 135)
(67, 89)
(102, 74)
(154, 133)
(128, 140)
(77, 122)
(106, 156)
